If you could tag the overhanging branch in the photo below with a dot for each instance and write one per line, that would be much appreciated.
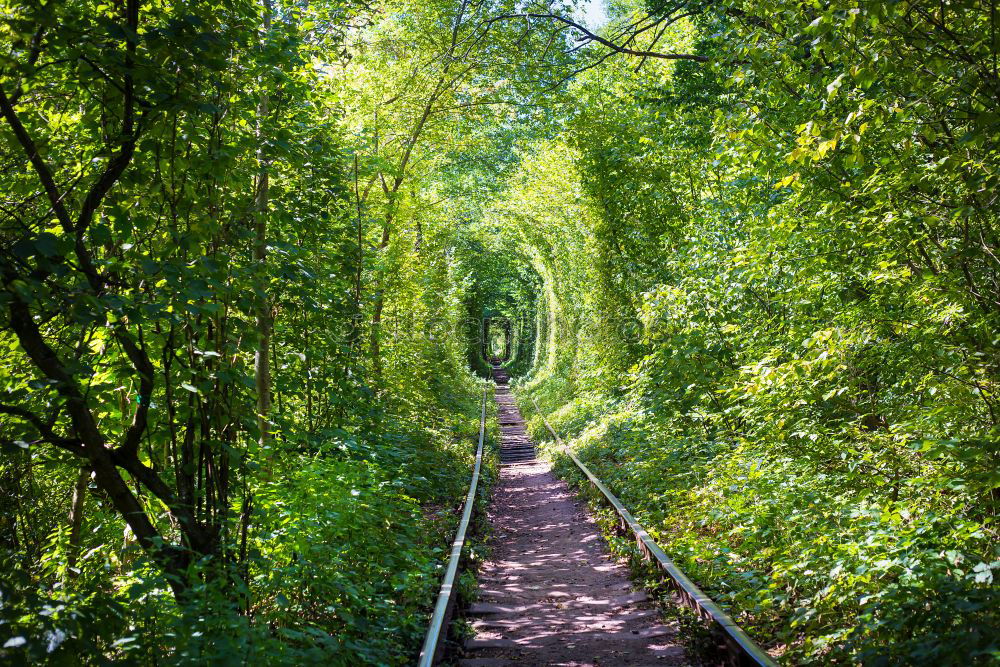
(594, 37)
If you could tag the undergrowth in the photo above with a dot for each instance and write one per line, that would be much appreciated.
(803, 560)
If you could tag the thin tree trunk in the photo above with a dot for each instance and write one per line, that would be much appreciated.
(361, 241)
(243, 564)
(391, 193)
(76, 518)
(262, 362)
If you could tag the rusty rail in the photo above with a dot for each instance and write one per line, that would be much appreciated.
(742, 649)
(432, 646)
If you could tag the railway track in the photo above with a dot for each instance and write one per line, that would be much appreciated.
(515, 445)
(551, 593)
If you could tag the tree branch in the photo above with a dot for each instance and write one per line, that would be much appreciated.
(594, 37)
(41, 168)
(73, 445)
(33, 54)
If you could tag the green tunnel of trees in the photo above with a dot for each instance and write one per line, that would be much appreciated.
(255, 260)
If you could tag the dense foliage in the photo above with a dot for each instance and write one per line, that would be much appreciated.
(774, 316)
(195, 266)
(746, 254)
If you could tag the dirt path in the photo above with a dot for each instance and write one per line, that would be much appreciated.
(551, 594)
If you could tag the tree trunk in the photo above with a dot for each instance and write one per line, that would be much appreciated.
(262, 362)
(76, 518)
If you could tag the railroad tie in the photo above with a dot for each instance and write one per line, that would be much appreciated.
(516, 446)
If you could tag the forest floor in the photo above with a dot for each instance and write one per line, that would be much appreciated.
(551, 593)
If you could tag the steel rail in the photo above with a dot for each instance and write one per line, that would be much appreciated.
(742, 648)
(431, 642)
